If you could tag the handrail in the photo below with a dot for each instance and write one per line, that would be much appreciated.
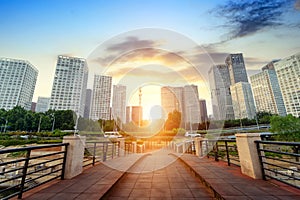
(21, 175)
(280, 165)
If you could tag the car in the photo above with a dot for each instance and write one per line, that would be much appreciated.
(192, 134)
(112, 134)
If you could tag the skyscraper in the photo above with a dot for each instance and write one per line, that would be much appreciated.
(288, 73)
(134, 114)
(219, 81)
(119, 102)
(172, 99)
(242, 100)
(266, 91)
(101, 98)
(191, 104)
(69, 85)
(236, 67)
(88, 101)
(203, 110)
(17, 83)
(42, 104)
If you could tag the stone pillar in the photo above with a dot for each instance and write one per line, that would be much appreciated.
(75, 155)
(248, 155)
(122, 146)
(198, 146)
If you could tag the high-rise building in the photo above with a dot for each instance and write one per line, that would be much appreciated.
(266, 91)
(219, 81)
(203, 111)
(191, 104)
(288, 73)
(119, 102)
(101, 98)
(42, 104)
(17, 83)
(242, 100)
(134, 114)
(88, 101)
(33, 105)
(172, 99)
(236, 67)
(69, 85)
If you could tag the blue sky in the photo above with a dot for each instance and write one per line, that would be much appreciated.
(39, 31)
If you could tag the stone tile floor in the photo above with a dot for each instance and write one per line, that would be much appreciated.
(162, 176)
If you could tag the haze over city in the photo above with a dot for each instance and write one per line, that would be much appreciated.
(39, 31)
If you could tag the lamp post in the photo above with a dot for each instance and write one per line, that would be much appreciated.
(53, 123)
(39, 127)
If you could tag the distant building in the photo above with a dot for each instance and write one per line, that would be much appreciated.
(242, 101)
(288, 73)
(69, 85)
(203, 111)
(219, 81)
(119, 103)
(33, 106)
(88, 102)
(191, 104)
(17, 83)
(236, 67)
(185, 100)
(101, 98)
(42, 104)
(172, 99)
(266, 91)
(134, 114)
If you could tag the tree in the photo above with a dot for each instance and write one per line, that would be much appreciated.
(287, 128)
(173, 121)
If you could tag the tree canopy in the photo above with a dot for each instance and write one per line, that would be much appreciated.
(287, 128)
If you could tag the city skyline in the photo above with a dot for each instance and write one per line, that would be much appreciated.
(78, 28)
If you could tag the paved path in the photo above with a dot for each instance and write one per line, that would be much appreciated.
(227, 182)
(159, 176)
(162, 176)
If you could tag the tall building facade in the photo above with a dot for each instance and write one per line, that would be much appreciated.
(266, 91)
(119, 102)
(236, 67)
(42, 104)
(69, 85)
(242, 100)
(17, 83)
(191, 104)
(172, 99)
(101, 98)
(288, 73)
(185, 100)
(219, 81)
(134, 114)
(88, 102)
(203, 111)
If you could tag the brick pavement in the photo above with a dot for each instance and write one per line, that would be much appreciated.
(162, 176)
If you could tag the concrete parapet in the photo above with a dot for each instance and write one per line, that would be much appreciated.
(248, 155)
(198, 146)
(75, 155)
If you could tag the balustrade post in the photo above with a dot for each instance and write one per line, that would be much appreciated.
(75, 155)
(249, 159)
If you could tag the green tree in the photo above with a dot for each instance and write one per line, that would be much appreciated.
(173, 121)
(287, 128)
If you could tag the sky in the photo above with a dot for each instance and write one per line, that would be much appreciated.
(148, 44)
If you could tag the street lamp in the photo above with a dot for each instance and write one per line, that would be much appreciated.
(53, 123)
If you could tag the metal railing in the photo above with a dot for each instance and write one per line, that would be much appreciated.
(280, 161)
(100, 152)
(22, 169)
(224, 149)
